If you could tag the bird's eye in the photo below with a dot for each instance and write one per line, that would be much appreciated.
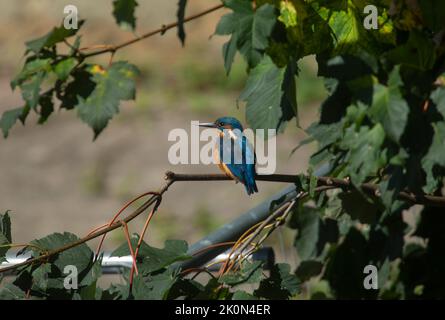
(221, 124)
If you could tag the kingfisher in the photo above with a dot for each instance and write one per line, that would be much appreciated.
(234, 153)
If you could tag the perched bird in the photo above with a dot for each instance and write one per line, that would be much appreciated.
(233, 152)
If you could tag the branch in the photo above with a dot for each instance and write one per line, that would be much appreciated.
(172, 177)
(370, 188)
(161, 30)
(96, 234)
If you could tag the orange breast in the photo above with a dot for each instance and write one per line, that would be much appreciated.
(222, 166)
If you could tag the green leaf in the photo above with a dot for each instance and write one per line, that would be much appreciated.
(417, 53)
(250, 272)
(270, 96)
(243, 295)
(154, 259)
(9, 118)
(156, 287)
(280, 285)
(345, 27)
(288, 14)
(46, 106)
(307, 221)
(229, 51)
(438, 97)
(364, 155)
(56, 35)
(389, 108)
(31, 68)
(250, 30)
(181, 14)
(308, 269)
(358, 207)
(40, 277)
(11, 292)
(5, 234)
(344, 270)
(93, 274)
(64, 68)
(185, 288)
(123, 12)
(435, 158)
(112, 85)
(81, 256)
(31, 90)
(433, 12)
(81, 86)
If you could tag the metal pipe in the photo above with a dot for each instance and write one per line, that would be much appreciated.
(234, 229)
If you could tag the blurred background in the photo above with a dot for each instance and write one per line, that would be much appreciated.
(54, 178)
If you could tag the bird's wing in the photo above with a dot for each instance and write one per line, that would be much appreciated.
(238, 155)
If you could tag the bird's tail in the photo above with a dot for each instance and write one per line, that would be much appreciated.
(251, 186)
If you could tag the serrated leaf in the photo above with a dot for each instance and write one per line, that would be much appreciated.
(280, 285)
(365, 155)
(81, 256)
(243, 295)
(124, 13)
(358, 207)
(185, 288)
(56, 35)
(307, 221)
(64, 68)
(5, 234)
(155, 287)
(250, 272)
(113, 84)
(389, 108)
(9, 118)
(344, 270)
(93, 274)
(270, 96)
(435, 158)
(40, 277)
(288, 14)
(418, 52)
(11, 292)
(31, 89)
(308, 269)
(180, 15)
(346, 29)
(153, 259)
(31, 68)
(46, 106)
(433, 13)
(81, 86)
(250, 30)
(438, 97)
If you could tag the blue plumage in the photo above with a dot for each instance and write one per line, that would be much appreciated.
(234, 153)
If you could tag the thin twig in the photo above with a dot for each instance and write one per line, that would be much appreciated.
(161, 30)
(73, 244)
(130, 248)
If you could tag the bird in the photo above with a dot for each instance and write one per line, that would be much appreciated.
(233, 152)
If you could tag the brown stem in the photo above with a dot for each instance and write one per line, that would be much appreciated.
(161, 30)
(112, 227)
(369, 188)
(172, 177)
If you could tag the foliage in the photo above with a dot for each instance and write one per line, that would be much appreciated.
(383, 122)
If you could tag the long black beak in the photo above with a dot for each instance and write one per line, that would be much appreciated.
(208, 125)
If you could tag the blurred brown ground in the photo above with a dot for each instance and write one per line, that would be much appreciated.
(54, 178)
